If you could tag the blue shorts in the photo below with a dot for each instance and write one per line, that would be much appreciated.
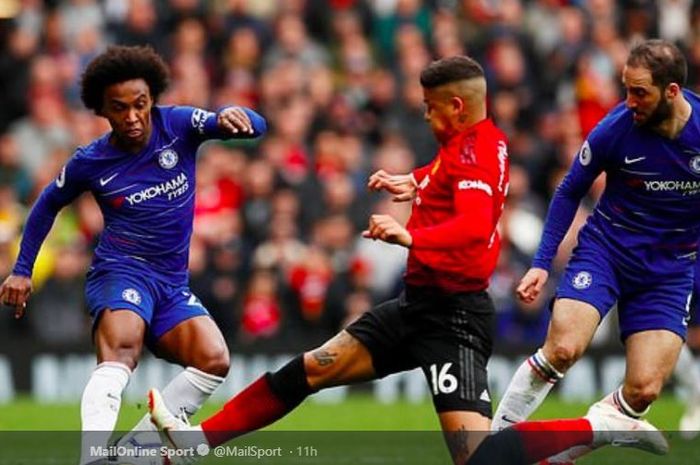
(161, 305)
(644, 302)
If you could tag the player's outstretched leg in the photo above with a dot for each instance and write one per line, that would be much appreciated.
(531, 441)
(688, 376)
(266, 400)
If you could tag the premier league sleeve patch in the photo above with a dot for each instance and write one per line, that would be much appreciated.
(199, 119)
(585, 155)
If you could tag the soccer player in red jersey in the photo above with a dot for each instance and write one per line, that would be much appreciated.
(442, 321)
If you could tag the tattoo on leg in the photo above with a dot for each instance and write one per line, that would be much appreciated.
(324, 357)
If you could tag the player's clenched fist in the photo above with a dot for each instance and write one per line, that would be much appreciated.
(531, 284)
(403, 186)
(235, 120)
(15, 292)
(387, 229)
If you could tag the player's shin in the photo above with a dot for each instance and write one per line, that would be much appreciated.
(530, 385)
(263, 402)
(99, 406)
(183, 396)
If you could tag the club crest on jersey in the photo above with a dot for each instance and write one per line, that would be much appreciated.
(167, 159)
(585, 155)
(695, 164)
(582, 280)
(131, 295)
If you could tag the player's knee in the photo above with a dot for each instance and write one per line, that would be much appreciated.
(215, 361)
(124, 353)
(563, 355)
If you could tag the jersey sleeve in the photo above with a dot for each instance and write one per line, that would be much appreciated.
(70, 183)
(590, 161)
(473, 187)
(201, 125)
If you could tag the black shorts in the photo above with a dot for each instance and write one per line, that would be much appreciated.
(447, 335)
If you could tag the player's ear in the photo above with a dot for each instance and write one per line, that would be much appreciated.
(672, 90)
(458, 104)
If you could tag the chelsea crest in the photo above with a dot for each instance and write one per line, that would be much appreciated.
(695, 164)
(167, 159)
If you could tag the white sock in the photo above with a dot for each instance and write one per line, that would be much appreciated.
(530, 385)
(185, 393)
(99, 406)
(687, 374)
(624, 407)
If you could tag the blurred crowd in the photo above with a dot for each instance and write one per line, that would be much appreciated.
(277, 255)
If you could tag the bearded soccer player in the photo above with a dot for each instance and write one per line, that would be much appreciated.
(637, 249)
(442, 321)
(142, 175)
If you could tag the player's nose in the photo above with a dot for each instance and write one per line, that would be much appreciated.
(132, 116)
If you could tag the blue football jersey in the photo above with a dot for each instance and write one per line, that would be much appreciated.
(648, 217)
(147, 198)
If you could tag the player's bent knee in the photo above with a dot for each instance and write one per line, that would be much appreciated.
(564, 355)
(125, 354)
(215, 362)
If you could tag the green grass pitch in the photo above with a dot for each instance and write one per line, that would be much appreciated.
(359, 430)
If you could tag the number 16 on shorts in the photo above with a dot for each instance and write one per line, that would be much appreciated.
(442, 381)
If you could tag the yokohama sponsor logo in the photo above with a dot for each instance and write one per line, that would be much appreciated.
(467, 184)
(173, 188)
(671, 186)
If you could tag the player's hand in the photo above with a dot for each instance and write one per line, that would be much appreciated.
(531, 285)
(234, 120)
(14, 292)
(387, 229)
(403, 186)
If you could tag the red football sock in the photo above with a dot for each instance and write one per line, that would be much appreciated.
(253, 408)
(543, 439)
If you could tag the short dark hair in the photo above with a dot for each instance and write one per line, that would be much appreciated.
(663, 59)
(448, 70)
(118, 64)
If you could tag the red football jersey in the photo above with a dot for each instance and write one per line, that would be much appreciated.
(459, 201)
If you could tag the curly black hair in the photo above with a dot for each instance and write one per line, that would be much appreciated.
(119, 64)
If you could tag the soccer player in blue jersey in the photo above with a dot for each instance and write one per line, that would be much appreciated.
(637, 249)
(142, 175)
